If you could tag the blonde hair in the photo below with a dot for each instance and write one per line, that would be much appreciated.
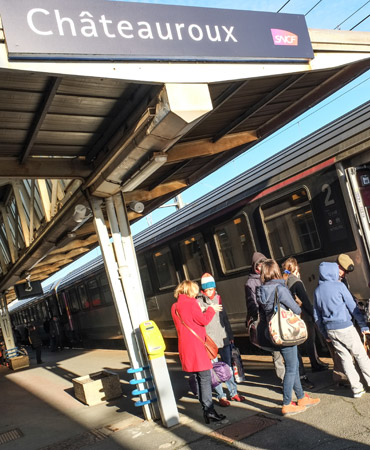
(270, 270)
(188, 288)
(290, 264)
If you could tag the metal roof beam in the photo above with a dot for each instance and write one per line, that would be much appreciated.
(314, 96)
(287, 84)
(40, 116)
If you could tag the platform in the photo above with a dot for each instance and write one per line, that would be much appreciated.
(40, 412)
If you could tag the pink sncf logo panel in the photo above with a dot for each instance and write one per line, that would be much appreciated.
(283, 37)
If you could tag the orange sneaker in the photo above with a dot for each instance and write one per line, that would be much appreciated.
(290, 410)
(308, 401)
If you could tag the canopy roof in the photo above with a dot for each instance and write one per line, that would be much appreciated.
(69, 131)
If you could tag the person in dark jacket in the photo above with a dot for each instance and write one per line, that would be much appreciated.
(334, 309)
(253, 282)
(36, 342)
(298, 291)
(272, 282)
(189, 319)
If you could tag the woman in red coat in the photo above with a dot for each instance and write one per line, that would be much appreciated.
(186, 313)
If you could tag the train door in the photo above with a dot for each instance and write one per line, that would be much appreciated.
(359, 186)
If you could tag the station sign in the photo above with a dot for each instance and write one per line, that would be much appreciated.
(105, 30)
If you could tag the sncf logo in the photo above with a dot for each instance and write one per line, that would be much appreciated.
(283, 37)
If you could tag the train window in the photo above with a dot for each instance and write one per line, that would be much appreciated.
(234, 243)
(94, 292)
(194, 257)
(290, 225)
(145, 275)
(165, 268)
(74, 305)
(44, 311)
(83, 296)
(105, 291)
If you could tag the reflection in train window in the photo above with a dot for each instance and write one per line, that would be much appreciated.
(94, 293)
(290, 225)
(165, 268)
(145, 276)
(83, 296)
(74, 305)
(235, 244)
(194, 256)
(105, 291)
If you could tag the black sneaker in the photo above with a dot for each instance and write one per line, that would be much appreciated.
(306, 383)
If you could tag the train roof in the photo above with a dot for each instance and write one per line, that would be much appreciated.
(325, 142)
(305, 153)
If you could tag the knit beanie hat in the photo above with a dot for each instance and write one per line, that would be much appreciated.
(207, 281)
(346, 262)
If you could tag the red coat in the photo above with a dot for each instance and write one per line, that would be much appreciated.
(193, 354)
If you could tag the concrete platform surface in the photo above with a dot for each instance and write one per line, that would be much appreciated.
(40, 412)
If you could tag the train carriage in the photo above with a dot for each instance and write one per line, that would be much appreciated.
(310, 201)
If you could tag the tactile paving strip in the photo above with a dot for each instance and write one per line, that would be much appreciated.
(244, 428)
(10, 436)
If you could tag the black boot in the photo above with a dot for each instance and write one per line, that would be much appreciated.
(212, 415)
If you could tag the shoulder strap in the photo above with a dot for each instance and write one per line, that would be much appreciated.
(195, 334)
(276, 299)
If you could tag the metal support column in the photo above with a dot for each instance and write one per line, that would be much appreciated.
(5, 324)
(113, 269)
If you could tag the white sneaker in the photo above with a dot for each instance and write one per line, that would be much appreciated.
(359, 394)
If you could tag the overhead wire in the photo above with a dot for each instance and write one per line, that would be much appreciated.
(308, 12)
(345, 20)
(283, 6)
(363, 20)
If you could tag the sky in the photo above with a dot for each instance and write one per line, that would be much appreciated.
(321, 14)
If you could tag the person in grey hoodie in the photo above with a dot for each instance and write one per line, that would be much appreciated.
(334, 308)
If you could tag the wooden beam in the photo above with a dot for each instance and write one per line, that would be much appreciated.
(76, 244)
(195, 149)
(60, 168)
(162, 189)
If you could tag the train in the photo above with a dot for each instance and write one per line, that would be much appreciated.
(310, 200)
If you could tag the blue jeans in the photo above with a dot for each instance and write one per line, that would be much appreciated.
(291, 378)
(225, 353)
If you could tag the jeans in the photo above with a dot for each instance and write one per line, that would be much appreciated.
(348, 345)
(291, 378)
(204, 389)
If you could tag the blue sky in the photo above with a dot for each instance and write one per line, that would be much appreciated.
(328, 14)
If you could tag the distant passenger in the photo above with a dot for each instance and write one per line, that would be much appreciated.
(334, 309)
(56, 334)
(36, 342)
(189, 319)
(298, 290)
(272, 282)
(219, 330)
(254, 280)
